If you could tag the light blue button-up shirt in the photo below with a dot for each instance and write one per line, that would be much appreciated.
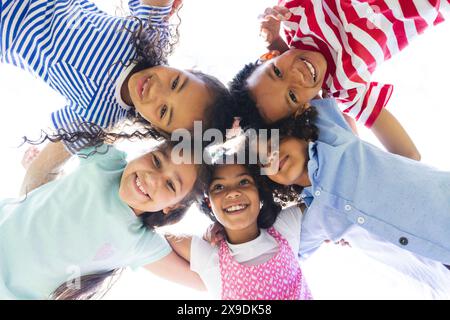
(353, 182)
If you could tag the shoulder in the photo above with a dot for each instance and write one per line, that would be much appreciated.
(203, 255)
(101, 153)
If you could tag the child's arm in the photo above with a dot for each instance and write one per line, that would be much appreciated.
(393, 136)
(181, 245)
(270, 27)
(176, 269)
(44, 168)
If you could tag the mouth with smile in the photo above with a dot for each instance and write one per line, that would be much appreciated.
(236, 208)
(141, 187)
(143, 86)
(282, 162)
(312, 70)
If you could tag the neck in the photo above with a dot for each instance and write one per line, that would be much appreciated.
(303, 180)
(243, 236)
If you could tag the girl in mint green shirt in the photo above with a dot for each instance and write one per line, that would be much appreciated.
(97, 219)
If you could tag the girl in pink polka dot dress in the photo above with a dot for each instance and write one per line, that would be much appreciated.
(257, 260)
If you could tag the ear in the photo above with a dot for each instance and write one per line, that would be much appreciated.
(269, 55)
(168, 210)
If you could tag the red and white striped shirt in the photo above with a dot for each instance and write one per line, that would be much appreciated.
(355, 36)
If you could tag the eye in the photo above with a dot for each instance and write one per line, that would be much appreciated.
(171, 186)
(292, 96)
(156, 162)
(277, 72)
(217, 188)
(175, 83)
(163, 111)
(244, 182)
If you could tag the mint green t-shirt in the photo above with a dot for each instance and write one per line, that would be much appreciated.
(73, 226)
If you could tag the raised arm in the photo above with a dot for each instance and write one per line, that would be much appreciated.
(45, 167)
(176, 269)
(393, 136)
(270, 27)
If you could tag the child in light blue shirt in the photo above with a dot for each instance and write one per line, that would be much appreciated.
(346, 181)
(97, 219)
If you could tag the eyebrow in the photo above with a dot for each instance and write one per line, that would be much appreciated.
(183, 85)
(269, 72)
(166, 158)
(170, 117)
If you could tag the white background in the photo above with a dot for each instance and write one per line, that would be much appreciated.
(219, 37)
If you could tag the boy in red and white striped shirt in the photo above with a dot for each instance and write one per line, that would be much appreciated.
(335, 45)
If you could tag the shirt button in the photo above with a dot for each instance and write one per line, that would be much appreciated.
(317, 193)
(403, 241)
(303, 196)
(348, 207)
(361, 220)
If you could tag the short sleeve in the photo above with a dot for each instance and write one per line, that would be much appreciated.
(151, 248)
(288, 224)
(202, 255)
(365, 102)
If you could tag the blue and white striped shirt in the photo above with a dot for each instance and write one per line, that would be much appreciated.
(78, 50)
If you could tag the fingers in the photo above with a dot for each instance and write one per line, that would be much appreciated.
(30, 154)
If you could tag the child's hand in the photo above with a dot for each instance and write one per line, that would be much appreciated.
(270, 23)
(30, 154)
(342, 242)
(214, 234)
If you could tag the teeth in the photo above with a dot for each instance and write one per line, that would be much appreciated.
(138, 183)
(236, 208)
(310, 68)
(145, 86)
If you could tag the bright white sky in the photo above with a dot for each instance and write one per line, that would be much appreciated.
(219, 37)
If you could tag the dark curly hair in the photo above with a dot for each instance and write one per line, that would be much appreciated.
(95, 286)
(269, 210)
(301, 127)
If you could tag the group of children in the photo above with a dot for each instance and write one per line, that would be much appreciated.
(68, 236)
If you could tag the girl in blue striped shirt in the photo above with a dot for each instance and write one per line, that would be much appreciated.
(108, 68)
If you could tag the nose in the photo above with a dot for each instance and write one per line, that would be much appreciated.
(296, 77)
(153, 181)
(233, 194)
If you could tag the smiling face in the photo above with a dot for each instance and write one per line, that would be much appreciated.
(284, 84)
(235, 202)
(292, 163)
(169, 98)
(153, 182)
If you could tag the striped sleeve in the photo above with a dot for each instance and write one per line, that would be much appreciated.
(364, 104)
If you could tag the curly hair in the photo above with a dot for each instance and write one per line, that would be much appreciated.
(301, 127)
(269, 210)
(94, 135)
